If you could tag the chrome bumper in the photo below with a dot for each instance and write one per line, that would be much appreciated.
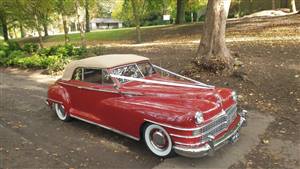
(211, 147)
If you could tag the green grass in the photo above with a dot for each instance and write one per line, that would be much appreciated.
(99, 35)
(105, 35)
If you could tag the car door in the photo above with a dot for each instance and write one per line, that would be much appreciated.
(95, 89)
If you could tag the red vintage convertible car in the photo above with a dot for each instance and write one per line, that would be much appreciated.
(129, 95)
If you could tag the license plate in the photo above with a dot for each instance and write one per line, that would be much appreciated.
(235, 137)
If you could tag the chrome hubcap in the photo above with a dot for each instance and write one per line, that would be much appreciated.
(159, 140)
(60, 111)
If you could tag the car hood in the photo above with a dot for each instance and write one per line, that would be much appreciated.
(180, 100)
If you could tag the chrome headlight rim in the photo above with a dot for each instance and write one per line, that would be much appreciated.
(199, 117)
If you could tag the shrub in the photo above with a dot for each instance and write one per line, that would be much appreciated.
(44, 52)
(4, 46)
(11, 58)
(56, 64)
(13, 45)
(30, 47)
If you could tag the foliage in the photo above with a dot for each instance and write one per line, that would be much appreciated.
(54, 58)
(30, 47)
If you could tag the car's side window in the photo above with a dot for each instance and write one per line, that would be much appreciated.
(92, 75)
(77, 75)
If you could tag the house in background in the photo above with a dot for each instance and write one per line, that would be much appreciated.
(105, 23)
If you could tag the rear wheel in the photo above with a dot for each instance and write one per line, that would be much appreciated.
(158, 140)
(60, 112)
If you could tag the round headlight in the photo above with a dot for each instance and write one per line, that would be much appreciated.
(234, 95)
(199, 118)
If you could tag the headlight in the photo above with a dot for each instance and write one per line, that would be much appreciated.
(199, 118)
(234, 96)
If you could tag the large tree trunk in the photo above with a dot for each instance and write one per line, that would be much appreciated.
(87, 16)
(136, 15)
(293, 5)
(4, 27)
(66, 29)
(212, 53)
(45, 27)
(180, 15)
(273, 4)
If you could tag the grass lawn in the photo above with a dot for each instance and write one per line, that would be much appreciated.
(114, 34)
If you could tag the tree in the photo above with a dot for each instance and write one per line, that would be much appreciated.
(293, 5)
(273, 4)
(65, 8)
(87, 16)
(4, 13)
(137, 9)
(78, 4)
(212, 53)
(180, 15)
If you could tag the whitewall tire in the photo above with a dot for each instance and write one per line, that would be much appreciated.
(60, 112)
(158, 140)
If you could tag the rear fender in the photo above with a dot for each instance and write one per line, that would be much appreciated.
(58, 94)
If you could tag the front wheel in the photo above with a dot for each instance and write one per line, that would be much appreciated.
(60, 112)
(158, 140)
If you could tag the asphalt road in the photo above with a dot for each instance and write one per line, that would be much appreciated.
(31, 136)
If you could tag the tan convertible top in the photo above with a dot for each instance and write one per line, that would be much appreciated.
(104, 61)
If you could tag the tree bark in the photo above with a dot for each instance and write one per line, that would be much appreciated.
(136, 15)
(15, 32)
(66, 29)
(82, 34)
(45, 27)
(180, 15)
(273, 4)
(38, 29)
(87, 16)
(293, 5)
(212, 53)
(283, 3)
(22, 30)
(4, 27)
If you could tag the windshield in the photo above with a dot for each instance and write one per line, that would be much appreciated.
(138, 70)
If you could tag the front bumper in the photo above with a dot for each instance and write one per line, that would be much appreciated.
(212, 146)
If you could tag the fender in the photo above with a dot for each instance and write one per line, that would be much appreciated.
(58, 94)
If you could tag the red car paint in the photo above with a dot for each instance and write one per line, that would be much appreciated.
(127, 107)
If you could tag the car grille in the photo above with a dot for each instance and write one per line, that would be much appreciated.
(220, 124)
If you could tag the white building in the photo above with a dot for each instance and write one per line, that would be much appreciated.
(105, 23)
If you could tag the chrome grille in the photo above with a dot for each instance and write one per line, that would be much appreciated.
(220, 124)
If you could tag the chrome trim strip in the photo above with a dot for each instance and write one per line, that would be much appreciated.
(217, 142)
(198, 128)
(191, 129)
(200, 135)
(173, 127)
(54, 101)
(89, 88)
(108, 128)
